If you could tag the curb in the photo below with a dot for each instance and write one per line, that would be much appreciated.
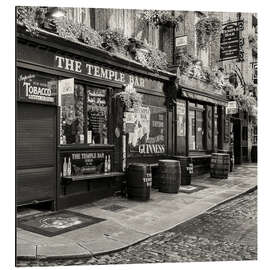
(84, 256)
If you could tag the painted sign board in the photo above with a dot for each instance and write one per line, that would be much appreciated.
(35, 87)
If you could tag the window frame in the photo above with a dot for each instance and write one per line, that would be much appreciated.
(87, 85)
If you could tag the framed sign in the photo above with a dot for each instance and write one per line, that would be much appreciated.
(181, 41)
(231, 43)
(232, 107)
(36, 87)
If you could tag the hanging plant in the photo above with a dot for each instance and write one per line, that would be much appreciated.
(159, 17)
(67, 29)
(74, 31)
(129, 98)
(31, 18)
(151, 57)
(114, 40)
(90, 36)
(207, 30)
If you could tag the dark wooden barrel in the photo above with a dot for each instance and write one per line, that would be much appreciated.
(169, 176)
(139, 181)
(230, 152)
(155, 176)
(220, 165)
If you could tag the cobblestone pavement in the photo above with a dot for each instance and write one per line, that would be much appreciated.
(226, 233)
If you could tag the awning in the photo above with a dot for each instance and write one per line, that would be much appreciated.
(193, 94)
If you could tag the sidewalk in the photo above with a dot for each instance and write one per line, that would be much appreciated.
(135, 221)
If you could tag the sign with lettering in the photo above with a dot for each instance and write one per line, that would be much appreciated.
(230, 41)
(255, 72)
(181, 41)
(35, 87)
(97, 71)
(231, 107)
(148, 135)
(84, 162)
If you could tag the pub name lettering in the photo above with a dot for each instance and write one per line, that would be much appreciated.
(97, 71)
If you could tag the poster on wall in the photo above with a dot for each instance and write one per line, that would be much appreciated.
(181, 119)
(148, 134)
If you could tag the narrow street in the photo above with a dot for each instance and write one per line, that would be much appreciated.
(226, 233)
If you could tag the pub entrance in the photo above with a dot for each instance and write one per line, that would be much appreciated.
(35, 154)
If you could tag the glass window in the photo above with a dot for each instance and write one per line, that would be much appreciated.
(181, 127)
(196, 127)
(72, 117)
(97, 114)
(192, 142)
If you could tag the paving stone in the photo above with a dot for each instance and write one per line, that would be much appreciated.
(26, 250)
(61, 251)
(103, 245)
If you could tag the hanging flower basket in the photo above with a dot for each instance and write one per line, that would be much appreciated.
(129, 98)
(207, 30)
(156, 18)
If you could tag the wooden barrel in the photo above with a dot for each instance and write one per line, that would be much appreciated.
(220, 165)
(155, 177)
(169, 176)
(139, 181)
(230, 152)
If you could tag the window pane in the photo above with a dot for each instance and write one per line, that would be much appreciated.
(199, 130)
(72, 117)
(192, 144)
(97, 111)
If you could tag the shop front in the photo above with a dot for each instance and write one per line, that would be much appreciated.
(74, 139)
(200, 128)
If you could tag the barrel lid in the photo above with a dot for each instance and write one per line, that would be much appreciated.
(138, 164)
(168, 160)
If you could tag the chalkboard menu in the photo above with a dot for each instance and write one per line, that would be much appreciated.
(97, 115)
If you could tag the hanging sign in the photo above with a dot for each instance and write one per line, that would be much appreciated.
(254, 65)
(37, 88)
(232, 107)
(231, 44)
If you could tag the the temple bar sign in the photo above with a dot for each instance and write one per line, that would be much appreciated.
(97, 71)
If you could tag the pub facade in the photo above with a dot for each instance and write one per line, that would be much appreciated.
(74, 140)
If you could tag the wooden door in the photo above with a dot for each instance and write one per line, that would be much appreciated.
(35, 153)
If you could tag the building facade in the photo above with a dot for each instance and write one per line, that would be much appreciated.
(74, 136)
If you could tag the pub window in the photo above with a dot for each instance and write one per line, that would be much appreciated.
(196, 127)
(72, 117)
(84, 114)
(181, 126)
(97, 113)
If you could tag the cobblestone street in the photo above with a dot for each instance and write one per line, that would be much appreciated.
(227, 232)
